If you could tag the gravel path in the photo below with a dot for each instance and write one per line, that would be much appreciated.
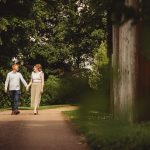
(47, 131)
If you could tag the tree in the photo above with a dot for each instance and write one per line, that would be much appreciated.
(130, 66)
(17, 26)
(59, 34)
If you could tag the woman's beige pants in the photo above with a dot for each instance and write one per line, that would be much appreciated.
(35, 94)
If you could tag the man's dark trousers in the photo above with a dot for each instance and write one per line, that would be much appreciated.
(14, 96)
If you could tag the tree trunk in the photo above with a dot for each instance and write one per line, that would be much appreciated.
(124, 63)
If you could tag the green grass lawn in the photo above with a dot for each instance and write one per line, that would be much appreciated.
(104, 133)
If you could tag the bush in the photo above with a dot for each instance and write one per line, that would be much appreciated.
(99, 81)
(75, 86)
(63, 90)
(4, 98)
(100, 74)
(52, 91)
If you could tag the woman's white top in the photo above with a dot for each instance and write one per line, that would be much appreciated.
(36, 77)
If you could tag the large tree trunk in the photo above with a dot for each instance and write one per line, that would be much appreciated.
(124, 61)
(131, 70)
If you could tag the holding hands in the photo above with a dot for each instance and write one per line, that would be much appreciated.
(5, 90)
(41, 90)
(27, 88)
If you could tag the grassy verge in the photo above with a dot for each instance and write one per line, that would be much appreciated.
(104, 133)
(3, 109)
(41, 107)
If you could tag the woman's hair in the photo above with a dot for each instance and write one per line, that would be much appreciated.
(39, 67)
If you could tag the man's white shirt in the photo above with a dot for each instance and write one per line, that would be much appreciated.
(13, 81)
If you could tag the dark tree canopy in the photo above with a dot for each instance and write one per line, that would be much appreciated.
(58, 34)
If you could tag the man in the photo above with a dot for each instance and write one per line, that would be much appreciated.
(12, 84)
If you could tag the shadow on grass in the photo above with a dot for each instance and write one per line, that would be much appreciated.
(105, 133)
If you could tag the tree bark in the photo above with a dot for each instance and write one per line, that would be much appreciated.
(124, 63)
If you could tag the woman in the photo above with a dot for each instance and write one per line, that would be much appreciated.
(37, 85)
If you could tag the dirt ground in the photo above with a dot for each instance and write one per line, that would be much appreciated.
(49, 130)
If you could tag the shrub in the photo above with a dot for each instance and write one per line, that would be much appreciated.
(62, 90)
(52, 91)
(4, 98)
(100, 74)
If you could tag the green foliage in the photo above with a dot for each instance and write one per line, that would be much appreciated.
(64, 90)
(53, 33)
(52, 90)
(3, 96)
(63, 31)
(75, 86)
(60, 35)
(3, 26)
(100, 69)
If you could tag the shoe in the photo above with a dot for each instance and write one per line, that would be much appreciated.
(13, 113)
(36, 112)
(17, 112)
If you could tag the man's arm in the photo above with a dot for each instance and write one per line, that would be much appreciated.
(7, 82)
(23, 80)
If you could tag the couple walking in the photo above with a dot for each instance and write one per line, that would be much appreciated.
(12, 84)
